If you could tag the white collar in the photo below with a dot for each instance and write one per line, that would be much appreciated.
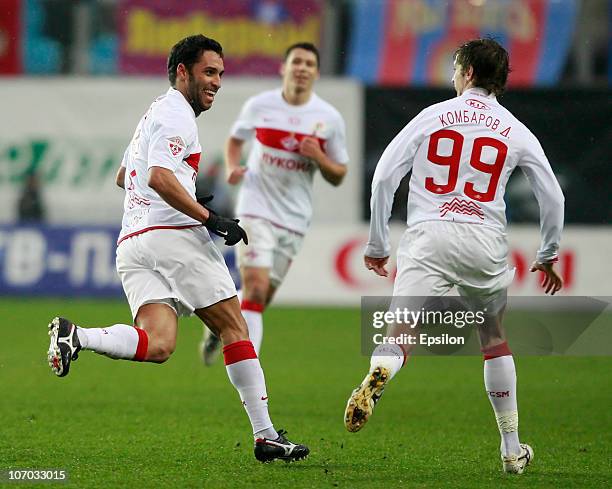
(173, 92)
(481, 92)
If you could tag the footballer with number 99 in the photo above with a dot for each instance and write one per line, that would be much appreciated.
(461, 153)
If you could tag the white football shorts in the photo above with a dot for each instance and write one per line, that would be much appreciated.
(179, 267)
(270, 246)
(435, 256)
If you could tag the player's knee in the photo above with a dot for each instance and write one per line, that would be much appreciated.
(160, 351)
(255, 286)
(256, 292)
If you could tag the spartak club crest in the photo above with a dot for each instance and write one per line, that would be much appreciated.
(290, 143)
(176, 145)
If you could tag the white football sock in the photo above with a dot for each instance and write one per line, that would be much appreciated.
(117, 341)
(254, 321)
(246, 375)
(500, 383)
(389, 356)
(253, 315)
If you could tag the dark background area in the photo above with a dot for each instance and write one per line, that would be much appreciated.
(574, 127)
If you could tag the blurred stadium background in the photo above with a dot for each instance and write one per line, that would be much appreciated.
(78, 74)
(75, 78)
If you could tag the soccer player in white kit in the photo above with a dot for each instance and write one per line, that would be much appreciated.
(461, 153)
(295, 134)
(167, 262)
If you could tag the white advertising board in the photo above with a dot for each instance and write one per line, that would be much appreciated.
(329, 269)
(73, 261)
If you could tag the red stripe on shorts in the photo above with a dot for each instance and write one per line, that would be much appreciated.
(238, 351)
(154, 228)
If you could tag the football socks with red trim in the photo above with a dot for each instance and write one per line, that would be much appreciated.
(246, 375)
(253, 315)
(500, 384)
(119, 341)
(389, 356)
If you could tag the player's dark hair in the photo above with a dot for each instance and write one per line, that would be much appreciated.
(188, 52)
(489, 61)
(308, 46)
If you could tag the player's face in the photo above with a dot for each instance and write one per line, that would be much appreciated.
(459, 78)
(204, 80)
(300, 70)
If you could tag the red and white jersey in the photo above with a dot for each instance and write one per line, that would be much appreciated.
(461, 153)
(166, 136)
(278, 183)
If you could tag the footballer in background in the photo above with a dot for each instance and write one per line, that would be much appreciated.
(295, 134)
(461, 153)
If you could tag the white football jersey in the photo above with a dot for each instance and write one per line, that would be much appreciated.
(166, 136)
(278, 183)
(461, 153)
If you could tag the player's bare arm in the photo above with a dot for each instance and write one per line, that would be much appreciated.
(233, 154)
(552, 282)
(332, 171)
(120, 178)
(165, 183)
(377, 265)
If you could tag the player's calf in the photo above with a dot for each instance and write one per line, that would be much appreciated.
(255, 284)
(224, 318)
(159, 351)
(119, 341)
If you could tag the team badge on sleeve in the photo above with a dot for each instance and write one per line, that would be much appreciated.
(176, 145)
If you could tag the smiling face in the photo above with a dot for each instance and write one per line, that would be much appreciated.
(299, 71)
(200, 84)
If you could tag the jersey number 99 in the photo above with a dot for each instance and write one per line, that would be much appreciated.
(453, 160)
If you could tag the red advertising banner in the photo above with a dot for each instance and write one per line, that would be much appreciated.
(10, 34)
(254, 34)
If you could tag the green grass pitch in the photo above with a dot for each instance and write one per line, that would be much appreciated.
(121, 424)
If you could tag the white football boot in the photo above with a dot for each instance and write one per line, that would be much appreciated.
(515, 464)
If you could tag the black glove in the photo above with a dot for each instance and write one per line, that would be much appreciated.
(205, 200)
(227, 228)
